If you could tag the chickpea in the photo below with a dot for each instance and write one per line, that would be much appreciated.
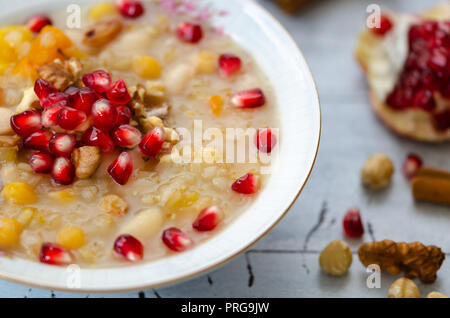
(336, 258)
(377, 172)
(403, 288)
(436, 295)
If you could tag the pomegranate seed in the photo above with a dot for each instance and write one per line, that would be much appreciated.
(26, 123)
(400, 99)
(54, 254)
(123, 115)
(62, 145)
(208, 219)
(412, 165)
(42, 88)
(189, 32)
(98, 138)
(441, 121)
(99, 81)
(55, 98)
(249, 99)
(352, 224)
(229, 64)
(424, 99)
(36, 23)
(41, 162)
(385, 26)
(70, 118)
(104, 114)
(152, 142)
(438, 60)
(38, 140)
(63, 171)
(118, 93)
(129, 247)
(176, 240)
(83, 99)
(121, 168)
(71, 90)
(130, 8)
(246, 184)
(126, 136)
(50, 115)
(265, 140)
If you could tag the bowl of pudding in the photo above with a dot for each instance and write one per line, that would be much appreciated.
(146, 142)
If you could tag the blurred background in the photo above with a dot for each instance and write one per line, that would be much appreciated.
(285, 262)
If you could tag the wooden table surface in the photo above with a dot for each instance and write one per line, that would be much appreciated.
(285, 262)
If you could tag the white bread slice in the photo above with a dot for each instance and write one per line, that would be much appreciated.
(412, 123)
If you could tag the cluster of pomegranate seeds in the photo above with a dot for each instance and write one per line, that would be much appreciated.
(190, 32)
(412, 165)
(385, 25)
(176, 240)
(251, 98)
(36, 23)
(54, 254)
(426, 72)
(208, 219)
(99, 110)
(229, 64)
(352, 224)
(265, 140)
(130, 8)
(247, 184)
(129, 247)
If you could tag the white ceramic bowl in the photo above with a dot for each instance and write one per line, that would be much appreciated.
(281, 60)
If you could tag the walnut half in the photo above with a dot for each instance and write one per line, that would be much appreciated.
(415, 259)
(86, 160)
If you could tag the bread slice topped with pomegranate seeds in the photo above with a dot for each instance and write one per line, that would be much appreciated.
(407, 64)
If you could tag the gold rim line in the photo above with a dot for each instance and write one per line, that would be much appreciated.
(240, 251)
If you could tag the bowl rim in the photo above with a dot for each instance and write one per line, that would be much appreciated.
(242, 249)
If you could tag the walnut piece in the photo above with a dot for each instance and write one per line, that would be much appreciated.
(86, 160)
(61, 74)
(336, 258)
(113, 204)
(102, 32)
(403, 288)
(415, 259)
(377, 172)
